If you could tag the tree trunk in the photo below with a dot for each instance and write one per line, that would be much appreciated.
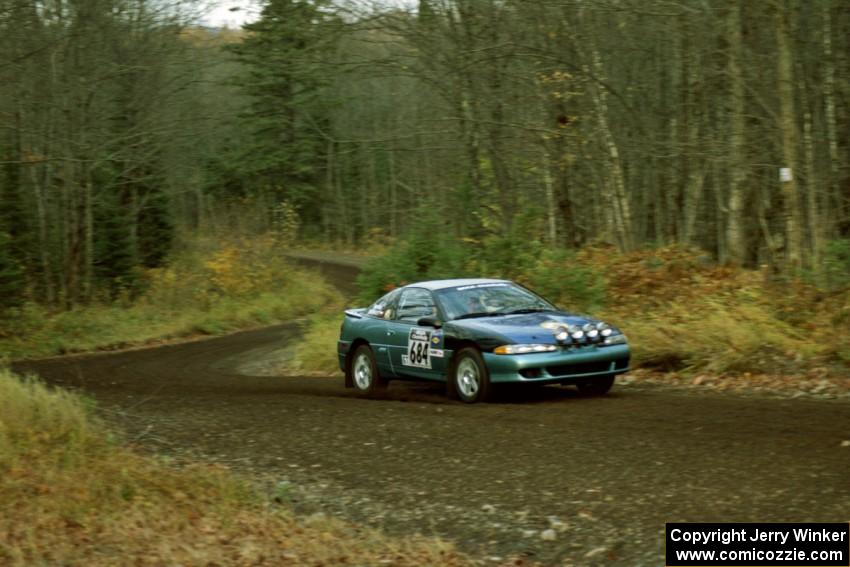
(614, 189)
(549, 188)
(832, 195)
(393, 194)
(788, 127)
(735, 241)
(43, 243)
(812, 186)
(88, 241)
(696, 163)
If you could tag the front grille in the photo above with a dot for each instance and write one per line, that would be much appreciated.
(582, 368)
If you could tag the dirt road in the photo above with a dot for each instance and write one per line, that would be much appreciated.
(543, 472)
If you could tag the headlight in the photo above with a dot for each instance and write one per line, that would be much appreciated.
(615, 339)
(524, 349)
(604, 329)
(562, 334)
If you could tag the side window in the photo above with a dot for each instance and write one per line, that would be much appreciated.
(415, 303)
(384, 308)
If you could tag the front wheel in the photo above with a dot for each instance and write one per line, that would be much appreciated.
(596, 386)
(469, 376)
(364, 371)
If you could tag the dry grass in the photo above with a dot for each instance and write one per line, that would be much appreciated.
(71, 496)
(212, 287)
(681, 311)
(710, 336)
(316, 351)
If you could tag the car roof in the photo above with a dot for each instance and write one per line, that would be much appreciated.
(435, 285)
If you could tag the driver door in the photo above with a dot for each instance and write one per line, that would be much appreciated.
(415, 351)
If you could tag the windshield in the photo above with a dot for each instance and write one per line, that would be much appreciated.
(489, 300)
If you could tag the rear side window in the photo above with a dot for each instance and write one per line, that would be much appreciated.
(414, 303)
(384, 308)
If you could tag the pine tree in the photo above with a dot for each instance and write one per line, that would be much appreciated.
(13, 212)
(12, 283)
(156, 228)
(284, 53)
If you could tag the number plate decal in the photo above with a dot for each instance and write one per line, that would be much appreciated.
(418, 349)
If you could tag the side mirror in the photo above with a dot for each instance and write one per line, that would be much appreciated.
(429, 322)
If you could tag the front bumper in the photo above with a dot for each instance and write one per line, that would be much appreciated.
(566, 366)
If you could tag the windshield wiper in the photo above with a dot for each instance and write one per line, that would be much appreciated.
(528, 310)
(479, 314)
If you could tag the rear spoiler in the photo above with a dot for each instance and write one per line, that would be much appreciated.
(356, 313)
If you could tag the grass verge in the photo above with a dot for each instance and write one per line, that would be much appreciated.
(72, 495)
(316, 352)
(211, 287)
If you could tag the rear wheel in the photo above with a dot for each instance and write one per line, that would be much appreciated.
(596, 386)
(364, 371)
(469, 376)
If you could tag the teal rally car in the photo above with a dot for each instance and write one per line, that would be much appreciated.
(473, 334)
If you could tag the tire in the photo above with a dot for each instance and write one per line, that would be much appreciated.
(596, 386)
(364, 372)
(470, 379)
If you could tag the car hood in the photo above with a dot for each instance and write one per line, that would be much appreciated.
(521, 329)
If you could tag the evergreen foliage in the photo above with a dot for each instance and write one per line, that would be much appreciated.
(836, 272)
(115, 259)
(12, 283)
(283, 55)
(156, 228)
(14, 217)
(429, 251)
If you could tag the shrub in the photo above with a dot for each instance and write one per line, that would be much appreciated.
(836, 265)
(429, 253)
(559, 276)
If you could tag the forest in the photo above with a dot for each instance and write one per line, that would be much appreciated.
(126, 127)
